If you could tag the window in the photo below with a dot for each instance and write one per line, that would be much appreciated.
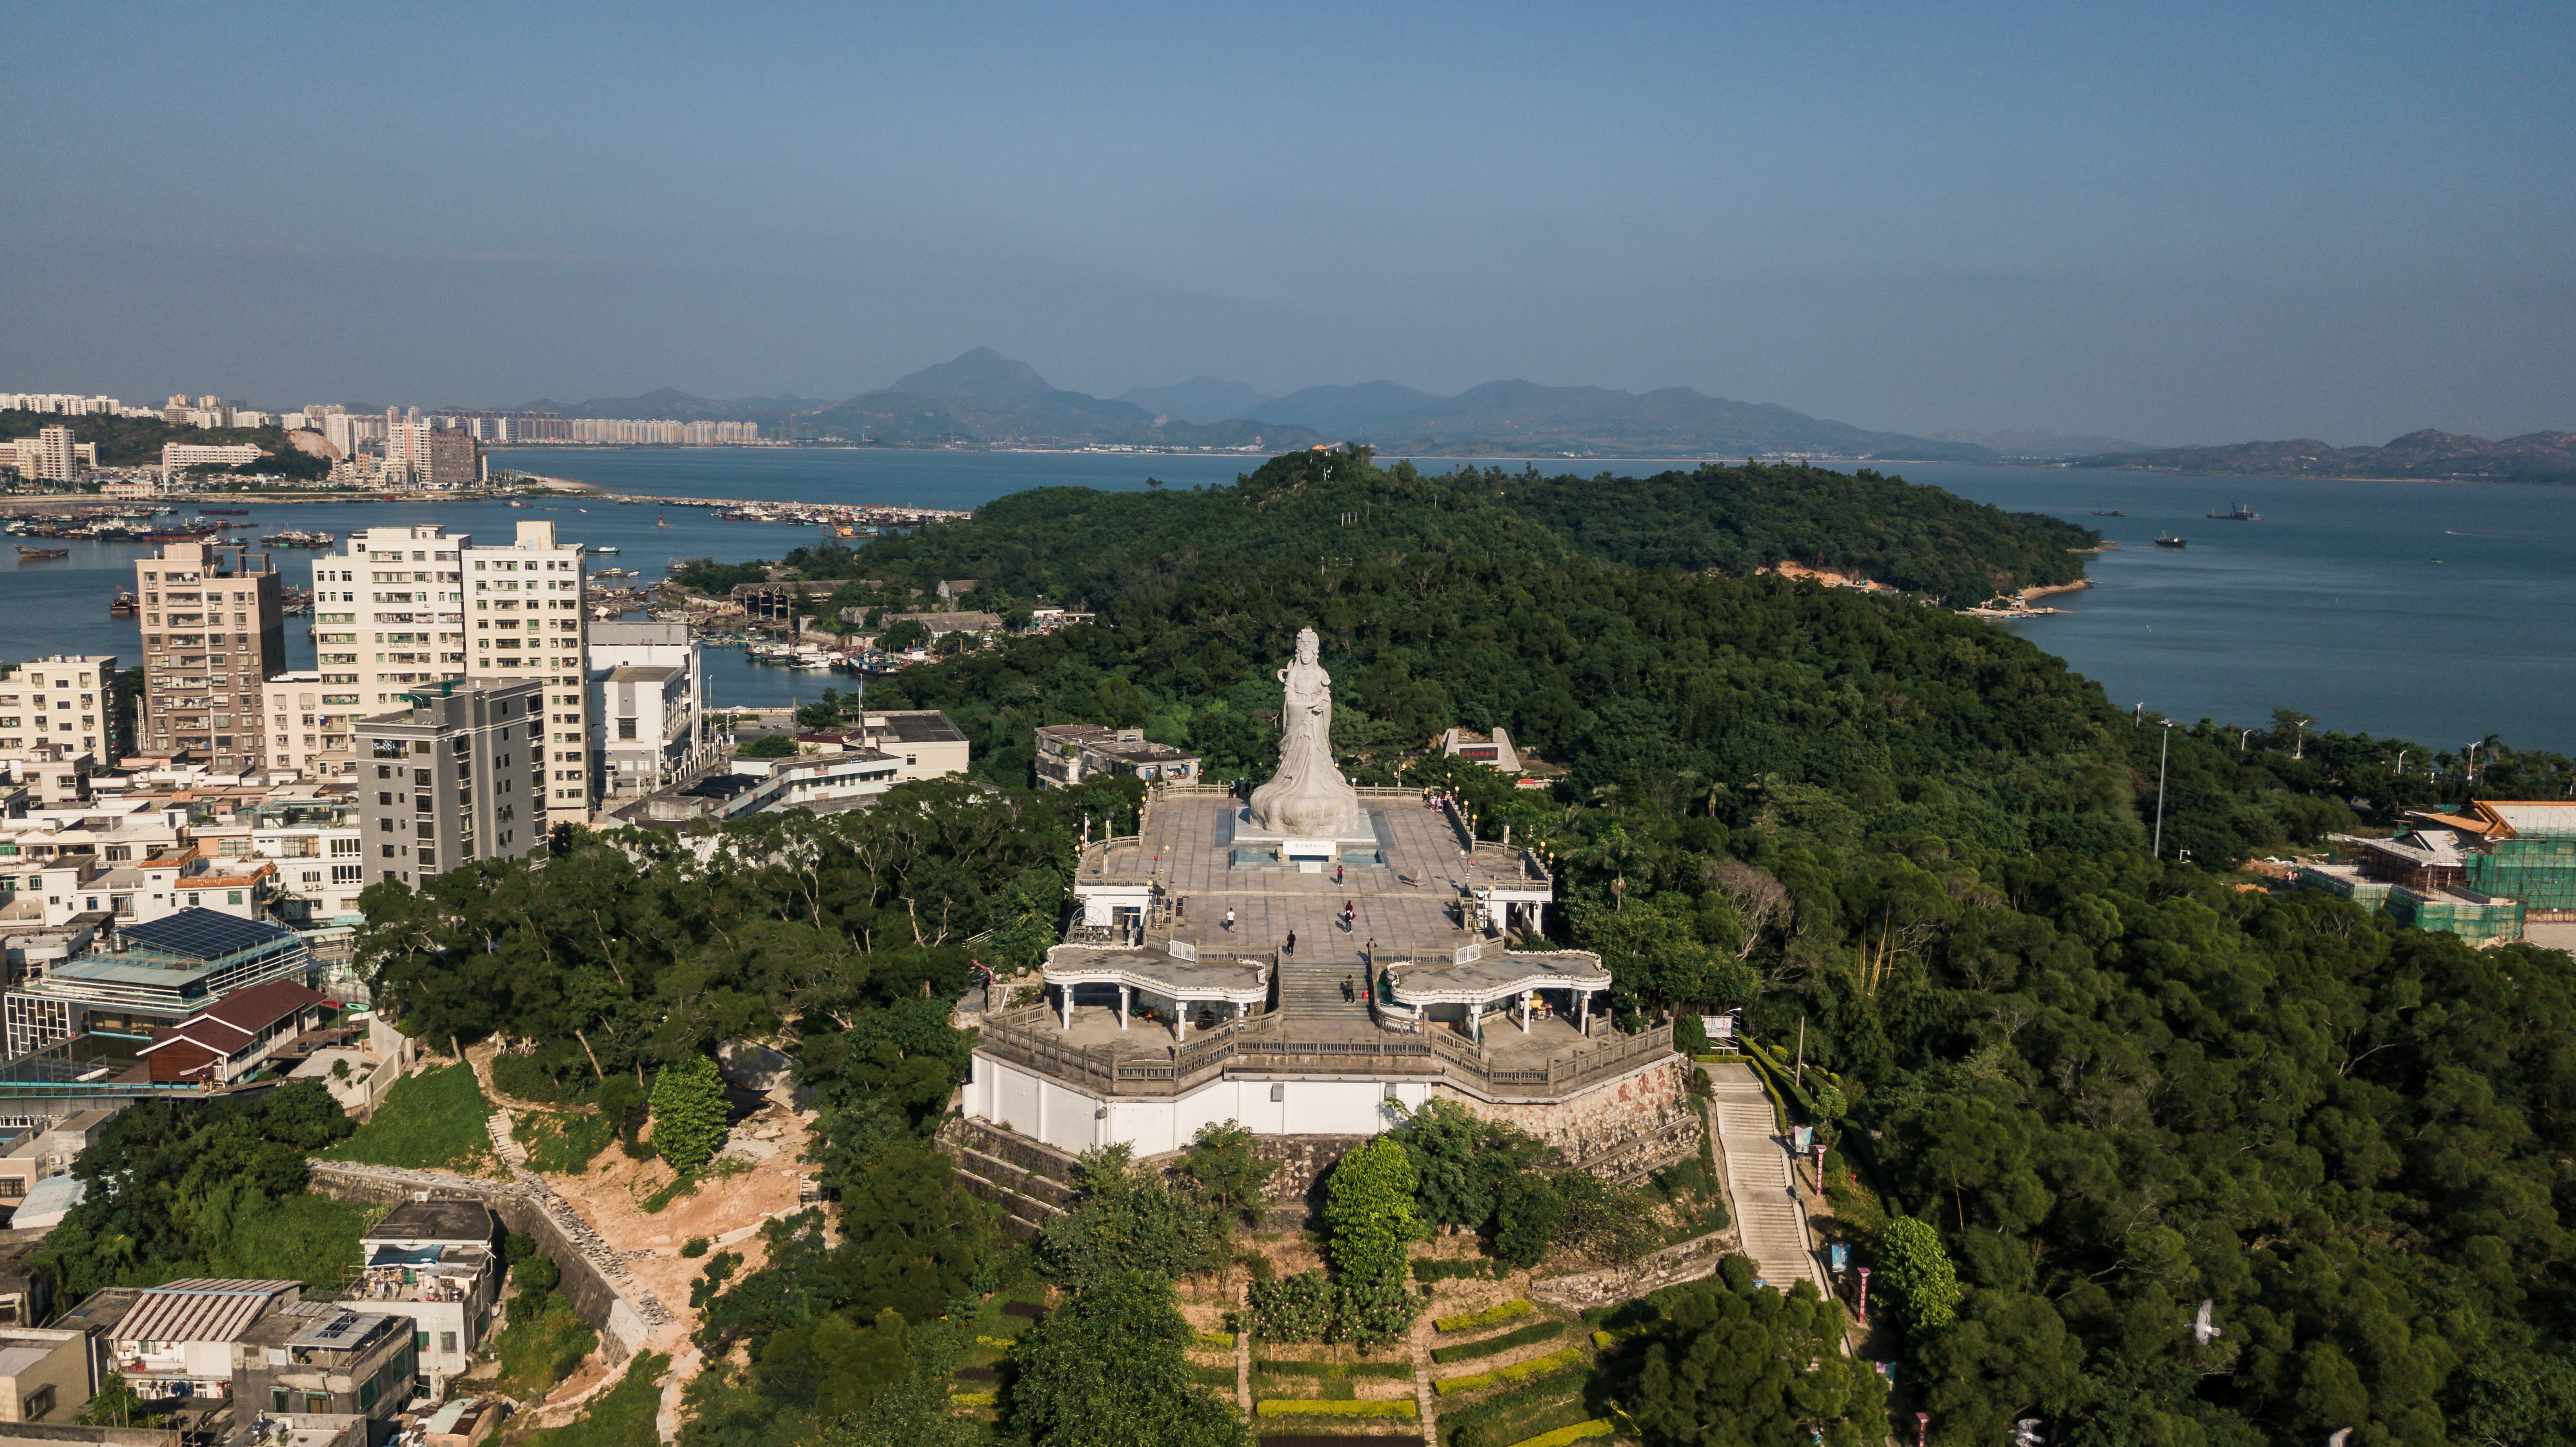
(277, 1400)
(35, 1405)
(447, 1341)
(321, 1401)
(419, 1339)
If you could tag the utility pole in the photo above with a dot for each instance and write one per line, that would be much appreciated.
(2161, 752)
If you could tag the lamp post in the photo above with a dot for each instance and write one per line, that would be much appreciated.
(1862, 1311)
(2161, 752)
(2299, 749)
(1922, 1426)
(2241, 736)
(2473, 763)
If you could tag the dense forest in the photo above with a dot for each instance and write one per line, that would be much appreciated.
(2077, 1088)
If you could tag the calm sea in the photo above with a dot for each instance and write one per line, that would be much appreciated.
(2435, 612)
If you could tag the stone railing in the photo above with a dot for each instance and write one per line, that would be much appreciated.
(1029, 1037)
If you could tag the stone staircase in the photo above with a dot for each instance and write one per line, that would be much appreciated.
(1312, 991)
(512, 1154)
(1770, 1219)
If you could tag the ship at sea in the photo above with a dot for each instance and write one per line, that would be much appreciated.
(2242, 513)
(298, 538)
(2173, 542)
(38, 555)
(2108, 512)
(124, 605)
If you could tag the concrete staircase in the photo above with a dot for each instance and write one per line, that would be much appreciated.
(512, 1154)
(1312, 992)
(1770, 1218)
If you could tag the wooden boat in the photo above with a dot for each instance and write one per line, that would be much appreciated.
(2173, 542)
(31, 555)
(124, 605)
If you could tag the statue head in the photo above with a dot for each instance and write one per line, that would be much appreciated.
(1307, 645)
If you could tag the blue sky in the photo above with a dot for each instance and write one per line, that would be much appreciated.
(2174, 223)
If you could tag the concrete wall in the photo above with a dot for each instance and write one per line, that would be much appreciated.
(621, 1330)
(1072, 1120)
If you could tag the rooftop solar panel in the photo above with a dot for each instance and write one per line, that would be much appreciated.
(204, 934)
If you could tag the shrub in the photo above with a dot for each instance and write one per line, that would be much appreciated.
(1401, 1407)
(1470, 1351)
(694, 1247)
(1916, 1269)
(1286, 1367)
(688, 1113)
(971, 1399)
(1368, 1206)
(1512, 1375)
(1293, 1308)
(1473, 1268)
(1597, 1427)
(1216, 1339)
(1491, 1316)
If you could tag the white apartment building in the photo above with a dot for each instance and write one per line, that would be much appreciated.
(65, 701)
(388, 615)
(177, 457)
(525, 621)
(345, 430)
(51, 455)
(309, 723)
(648, 705)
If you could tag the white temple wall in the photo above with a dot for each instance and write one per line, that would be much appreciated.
(1041, 1107)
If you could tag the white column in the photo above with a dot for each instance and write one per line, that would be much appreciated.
(1525, 1012)
(1583, 1013)
(1065, 992)
(1475, 1017)
(1122, 1007)
(1180, 1020)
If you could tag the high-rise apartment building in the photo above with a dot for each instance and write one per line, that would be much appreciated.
(214, 630)
(66, 703)
(389, 614)
(452, 777)
(309, 724)
(526, 618)
(451, 459)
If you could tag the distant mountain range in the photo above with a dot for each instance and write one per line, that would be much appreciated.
(985, 399)
(2040, 444)
(2428, 455)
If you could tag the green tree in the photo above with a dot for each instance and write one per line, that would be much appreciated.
(1915, 1271)
(1124, 1219)
(768, 746)
(1736, 1365)
(116, 1404)
(1369, 1215)
(1228, 1169)
(689, 1113)
(1109, 1369)
(913, 1236)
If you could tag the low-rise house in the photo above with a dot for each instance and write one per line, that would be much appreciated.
(44, 1374)
(1071, 753)
(232, 1039)
(35, 1153)
(182, 1339)
(165, 971)
(26, 1278)
(324, 1358)
(432, 1261)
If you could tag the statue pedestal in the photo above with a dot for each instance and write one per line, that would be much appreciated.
(1310, 853)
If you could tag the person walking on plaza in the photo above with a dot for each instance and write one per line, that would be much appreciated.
(1337, 874)
(1350, 917)
(1229, 920)
(1348, 995)
(1291, 947)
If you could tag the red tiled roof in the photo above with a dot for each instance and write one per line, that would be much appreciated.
(261, 1006)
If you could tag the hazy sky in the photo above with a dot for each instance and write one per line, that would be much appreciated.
(2171, 223)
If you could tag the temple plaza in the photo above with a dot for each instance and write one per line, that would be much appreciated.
(1158, 1016)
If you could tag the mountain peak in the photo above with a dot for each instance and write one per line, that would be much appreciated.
(980, 375)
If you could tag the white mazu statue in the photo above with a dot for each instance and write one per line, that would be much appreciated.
(1308, 798)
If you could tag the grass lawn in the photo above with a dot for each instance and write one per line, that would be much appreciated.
(428, 1122)
(620, 1417)
(562, 1144)
(538, 1349)
(309, 1238)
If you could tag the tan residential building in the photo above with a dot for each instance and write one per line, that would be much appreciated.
(214, 630)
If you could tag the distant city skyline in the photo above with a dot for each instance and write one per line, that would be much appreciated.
(2170, 223)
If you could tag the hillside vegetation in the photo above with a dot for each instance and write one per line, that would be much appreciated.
(2074, 1090)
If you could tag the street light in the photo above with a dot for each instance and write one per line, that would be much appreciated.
(2241, 736)
(2161, 752)
(2473, 764)
(2300, 749)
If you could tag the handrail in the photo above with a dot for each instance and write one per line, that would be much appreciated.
(1251, 1043)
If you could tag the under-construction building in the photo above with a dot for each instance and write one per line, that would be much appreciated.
(2482, 873)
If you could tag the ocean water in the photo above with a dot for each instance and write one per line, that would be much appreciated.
(2438, 612)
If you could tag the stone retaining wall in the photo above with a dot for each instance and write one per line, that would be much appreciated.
(622, 1328)
(1683, 1261)
(1622, 1129)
